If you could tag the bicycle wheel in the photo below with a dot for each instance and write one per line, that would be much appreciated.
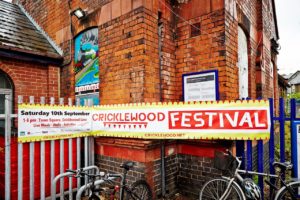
(214, 189)
(284, 194)
(140, 190)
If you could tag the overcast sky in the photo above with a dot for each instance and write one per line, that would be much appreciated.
(288, 18)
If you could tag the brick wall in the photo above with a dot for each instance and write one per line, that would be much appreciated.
(123, 58)
(185, 174)
(128, 38)
(187, 165)
(31, 79)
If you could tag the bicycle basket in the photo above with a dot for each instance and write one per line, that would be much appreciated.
(223, 161)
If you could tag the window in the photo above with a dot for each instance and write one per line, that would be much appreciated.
(271, 69)
(195, 29)
(243, 63)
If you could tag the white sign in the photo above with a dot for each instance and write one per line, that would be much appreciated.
(50, 122)
(200, 86)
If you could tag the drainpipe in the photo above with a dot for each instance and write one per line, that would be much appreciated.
(162, 149)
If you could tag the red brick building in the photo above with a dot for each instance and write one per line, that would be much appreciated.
(145, 46)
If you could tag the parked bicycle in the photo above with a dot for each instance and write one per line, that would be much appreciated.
(236, 187)
(139, 190)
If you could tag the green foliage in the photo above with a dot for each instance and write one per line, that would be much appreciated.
(287, 131)
(294, 96)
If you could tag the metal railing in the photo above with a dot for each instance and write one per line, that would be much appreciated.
(30, 150)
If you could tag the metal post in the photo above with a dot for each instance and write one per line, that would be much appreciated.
(52, 159)
(260, 164)
(61, 101)
(31, 162)
(20, 162)
(249, 155)
(294, 138)
(20, 171)
(31, 176)
(271, 141)
(86, 156)
(52, 150)
(86, 148)
(70, 167)
(78, 152)
(70, 160)
(281, 121)
(7, 145)
(61, 158)
(42, 196)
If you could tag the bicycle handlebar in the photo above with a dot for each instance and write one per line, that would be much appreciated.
(80, 173)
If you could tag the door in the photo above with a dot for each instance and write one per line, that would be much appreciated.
(243, 63)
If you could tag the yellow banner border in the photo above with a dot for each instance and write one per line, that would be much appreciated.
(197, 104)
(141, 135)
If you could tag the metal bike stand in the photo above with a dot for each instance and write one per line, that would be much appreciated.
(53, 186)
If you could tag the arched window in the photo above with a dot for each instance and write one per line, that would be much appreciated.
(5, 83)
(243, 63)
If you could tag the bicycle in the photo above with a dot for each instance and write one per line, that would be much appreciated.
(139, 190)
(236, 187)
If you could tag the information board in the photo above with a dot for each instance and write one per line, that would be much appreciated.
(201, 86)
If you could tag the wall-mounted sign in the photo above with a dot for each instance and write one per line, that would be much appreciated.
(87, 66)
(201, 86)
(198, 120)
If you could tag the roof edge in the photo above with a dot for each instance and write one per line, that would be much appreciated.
(275, 18)
(25, 56)
(52, 43)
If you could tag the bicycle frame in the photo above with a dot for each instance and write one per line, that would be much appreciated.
(240, 179)
(123, 186)
(232, 181)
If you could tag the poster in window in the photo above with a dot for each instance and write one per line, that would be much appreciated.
(87, 66)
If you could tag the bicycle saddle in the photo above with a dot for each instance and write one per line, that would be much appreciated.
(283, 166)
(127, 165)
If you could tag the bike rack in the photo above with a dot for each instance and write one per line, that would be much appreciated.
(53, 186)
(98, 182)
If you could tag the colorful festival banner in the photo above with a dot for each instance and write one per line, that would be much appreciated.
(248, 120)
